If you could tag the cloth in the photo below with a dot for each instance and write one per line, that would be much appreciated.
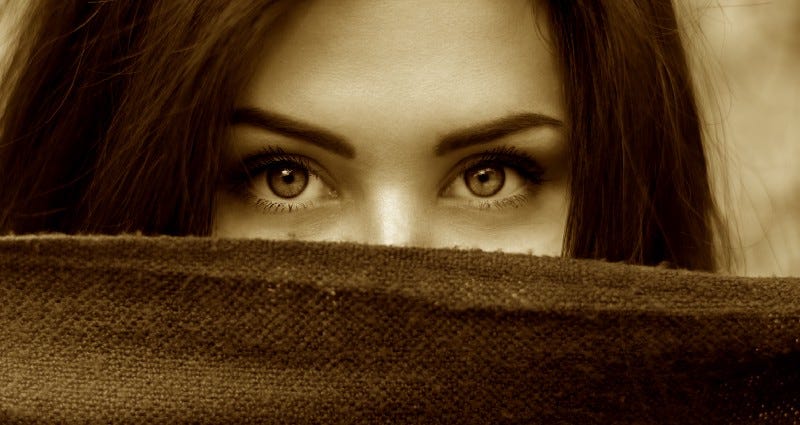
(163, 329)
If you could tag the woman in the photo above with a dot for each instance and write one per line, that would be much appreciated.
(550, 127)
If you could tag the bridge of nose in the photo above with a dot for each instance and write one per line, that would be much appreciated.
(393, 213)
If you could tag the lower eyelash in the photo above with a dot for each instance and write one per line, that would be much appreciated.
(515, 201)
(281, 207)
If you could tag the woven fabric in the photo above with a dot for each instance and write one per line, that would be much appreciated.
(143, 330)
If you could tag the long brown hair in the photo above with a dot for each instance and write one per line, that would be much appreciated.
(116, 113)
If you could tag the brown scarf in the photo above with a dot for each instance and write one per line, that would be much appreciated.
(137, 329)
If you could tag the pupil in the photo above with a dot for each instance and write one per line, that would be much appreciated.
(287, 176)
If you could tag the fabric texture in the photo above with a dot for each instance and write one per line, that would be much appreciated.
(143, 330)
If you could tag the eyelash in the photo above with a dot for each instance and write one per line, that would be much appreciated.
(509, 156)
(239, 179)
(506, 156)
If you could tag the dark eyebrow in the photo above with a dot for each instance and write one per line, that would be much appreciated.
(493, 130)
(288, 127)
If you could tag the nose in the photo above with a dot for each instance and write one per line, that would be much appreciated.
(393, 215)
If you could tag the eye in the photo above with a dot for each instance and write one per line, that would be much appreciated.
(277, 182)
(500, 178)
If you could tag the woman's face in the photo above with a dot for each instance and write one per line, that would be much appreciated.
(414, 122)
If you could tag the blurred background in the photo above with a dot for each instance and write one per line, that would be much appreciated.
(747, 63)
(746, 58)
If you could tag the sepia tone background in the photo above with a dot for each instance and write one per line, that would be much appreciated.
(746, 58)
(747, 63)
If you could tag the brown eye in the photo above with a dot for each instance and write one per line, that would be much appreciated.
(287, 180)
(485, 180)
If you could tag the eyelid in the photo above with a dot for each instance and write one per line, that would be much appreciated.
(509, 156)
(239, 176)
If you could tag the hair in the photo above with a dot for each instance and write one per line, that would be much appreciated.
(116, 112)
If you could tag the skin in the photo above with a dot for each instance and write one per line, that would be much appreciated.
(392, 79)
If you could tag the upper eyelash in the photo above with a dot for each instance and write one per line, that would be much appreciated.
(239, 178)
(273, 155)
(522, 162)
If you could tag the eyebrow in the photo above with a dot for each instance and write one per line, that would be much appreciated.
(478, 134)
(289, 127)
(493, 130)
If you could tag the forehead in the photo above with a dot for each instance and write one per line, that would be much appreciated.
(336, 62)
